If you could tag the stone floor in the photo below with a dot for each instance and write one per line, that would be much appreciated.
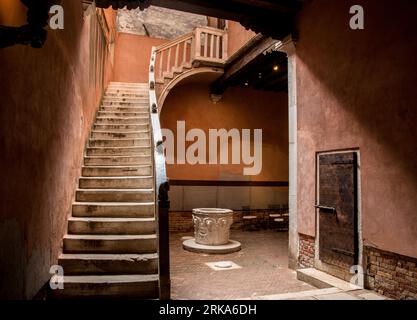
(263, 261)
(261, 273)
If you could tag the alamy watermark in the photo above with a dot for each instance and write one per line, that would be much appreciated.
(357, 21)
(205, 149)
(57, 280)
(57, 19)
(357, 280)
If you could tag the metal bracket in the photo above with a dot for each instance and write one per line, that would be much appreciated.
(325, 208)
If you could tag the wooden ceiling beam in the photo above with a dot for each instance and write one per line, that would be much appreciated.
(271, 79)
(241, 62)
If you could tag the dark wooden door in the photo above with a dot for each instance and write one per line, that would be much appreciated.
(338, 234)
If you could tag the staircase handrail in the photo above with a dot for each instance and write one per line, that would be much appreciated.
(161, 187)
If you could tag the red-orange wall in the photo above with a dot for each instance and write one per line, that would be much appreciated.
(48, 102)
(357, 89)
(132, 52)
(12, 13)
(237, 36)
(239, 108)
(132, 57)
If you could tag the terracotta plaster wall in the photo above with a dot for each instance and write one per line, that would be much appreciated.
(48, 102)
(132, 55)
(356, 89)
(12, 13)
(241, 109)
(132, 52)
(238, 36)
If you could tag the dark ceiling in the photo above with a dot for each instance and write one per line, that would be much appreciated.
(271, 18)
(266, 72)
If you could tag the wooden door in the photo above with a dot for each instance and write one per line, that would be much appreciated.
(338, 231)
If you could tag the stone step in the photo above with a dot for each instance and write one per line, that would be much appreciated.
(127, 94)
(117, 171)
(114, 195)
(118, 151)
(114, 209)
(115, 90)
(143, 100)
(120, 142)
(320, 279)
(111, 226)
(124, 109)
(120, 134)
(130, 104)
(120, 87)
(111, 286)
(121, 127)
(129, 120)
(137, 96)
(128, 84)
(117, 160)
(77, 264)
(115, 87)
(144, 182)
(125, 86)
(109, 243)
(111, 114)
(143, 92)
(122, 91)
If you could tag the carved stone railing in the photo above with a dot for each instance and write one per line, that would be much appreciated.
(173, 57)
(210, 46)
(161, 188)
(205, 46)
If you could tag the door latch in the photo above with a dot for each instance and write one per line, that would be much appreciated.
(326, 208)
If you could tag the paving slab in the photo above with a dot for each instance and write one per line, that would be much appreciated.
(336, 296)
(371, 296)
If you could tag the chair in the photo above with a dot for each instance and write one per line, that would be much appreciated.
(283, 221)
(250, 221)
(274, 212)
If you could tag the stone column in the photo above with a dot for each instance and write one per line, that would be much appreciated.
(288, 46)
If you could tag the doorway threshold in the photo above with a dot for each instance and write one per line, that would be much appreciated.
(328, 288)
(322, 280)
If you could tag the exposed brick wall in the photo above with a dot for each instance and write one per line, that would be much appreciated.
(390, 274)
(306, 251)
(180, 221)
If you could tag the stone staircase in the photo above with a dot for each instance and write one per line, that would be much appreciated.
(111, 246)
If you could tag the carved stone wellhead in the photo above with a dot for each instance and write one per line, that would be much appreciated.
(212, 226)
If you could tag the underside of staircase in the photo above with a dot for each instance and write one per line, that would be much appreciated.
(110, 249)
